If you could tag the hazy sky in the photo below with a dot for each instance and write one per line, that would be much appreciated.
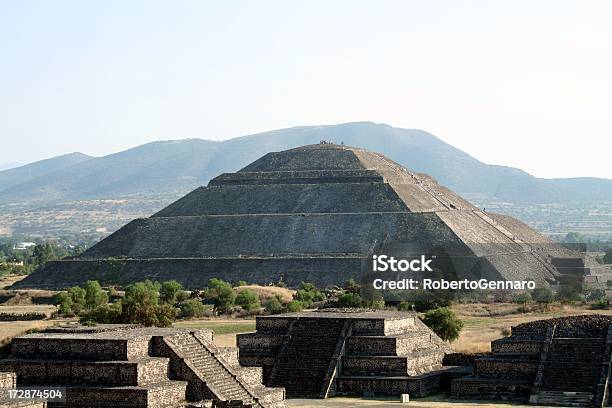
(520, 83)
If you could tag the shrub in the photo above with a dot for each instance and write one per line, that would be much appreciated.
(94, 295)
(350, 300)
(352, 286)
(169, 290)
(221, 294)
(78, 298)
(192, 308)
(307, 293)
(240, 283)
(248, 300)
(444, 323)
(295, 306)
(141, 305)
(274, 305)
(64, 303)
(405, 306)
(542, 295)
(522, 299)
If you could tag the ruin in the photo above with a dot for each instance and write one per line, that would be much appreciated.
(312, 213)
(561, 361)
(328, 352)
(130, 366)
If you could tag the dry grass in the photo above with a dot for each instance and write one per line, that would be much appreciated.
(8, 330)
(267, 292)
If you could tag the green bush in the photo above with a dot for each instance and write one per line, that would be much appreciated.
(444, 323)
(169, 290)
(350, 300)
(405, 306)
(307, 293)
(248, 300)
(78, 298)
(64, 303)
(221, 294)
(94, 295)
(295, 306)
(192, 308)
(274, 305)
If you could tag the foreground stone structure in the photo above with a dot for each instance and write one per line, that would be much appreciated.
(326, 353)
(312, 214)
(124, 366)
(564, 361)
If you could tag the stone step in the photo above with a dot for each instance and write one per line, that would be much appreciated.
(418, 386)
(519, 368)
(36, 346)
(159, 395)
(491, 388)
(140, 371)
(561, 398)
(387, 345)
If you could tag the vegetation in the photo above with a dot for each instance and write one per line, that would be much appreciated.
(35, 256)
(248, 300)
(221, 294)
(444, 323)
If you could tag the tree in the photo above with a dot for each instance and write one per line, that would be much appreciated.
(141, 305)
(169, 291)
(444, 323)
(77, 294)
(542, 296)
(608, 256)
(221, 294)
(295, 306)
(307, 293)
(350, 300)
(43, 253)
(64, 303)
(522, 298)
(248, 300)
(192, 308)
(94, 295)
(274, 305)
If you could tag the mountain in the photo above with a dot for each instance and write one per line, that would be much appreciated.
(171, 168)
(10, 165)
(22, 174)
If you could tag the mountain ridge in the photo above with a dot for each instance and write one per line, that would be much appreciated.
(173, 167)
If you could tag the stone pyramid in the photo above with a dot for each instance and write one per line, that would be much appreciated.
(312, 213)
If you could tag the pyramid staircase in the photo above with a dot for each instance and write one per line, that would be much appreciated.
(321, 354)
(560, 365)
(135, 367)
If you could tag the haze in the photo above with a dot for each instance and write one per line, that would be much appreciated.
(520, 83)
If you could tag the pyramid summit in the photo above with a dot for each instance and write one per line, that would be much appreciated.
(312, 213)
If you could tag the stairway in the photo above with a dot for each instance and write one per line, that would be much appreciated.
(565, 398)
(571, 372)
(302, 366)
(217, 378)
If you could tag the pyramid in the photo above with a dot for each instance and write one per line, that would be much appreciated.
(312, 213)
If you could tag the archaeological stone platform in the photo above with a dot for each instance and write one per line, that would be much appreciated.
(126, 366)
(327, 353)
(563, 361)
(314, 214)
